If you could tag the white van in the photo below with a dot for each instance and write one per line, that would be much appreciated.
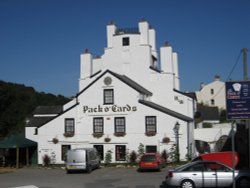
(85, 159)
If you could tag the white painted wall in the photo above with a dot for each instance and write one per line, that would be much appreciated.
(134, 61)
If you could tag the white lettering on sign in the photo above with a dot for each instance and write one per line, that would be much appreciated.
(113, 108)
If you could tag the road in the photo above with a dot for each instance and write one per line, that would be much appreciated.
(104, 178)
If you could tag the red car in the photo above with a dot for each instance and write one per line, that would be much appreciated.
(151, 161)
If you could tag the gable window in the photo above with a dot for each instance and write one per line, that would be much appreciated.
(151, 125)
(120, 125)
(108, 96)
(125, 41)
(212, 91)
(69, 126)
(98, 125)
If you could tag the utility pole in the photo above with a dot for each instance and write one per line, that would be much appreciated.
(245, 63)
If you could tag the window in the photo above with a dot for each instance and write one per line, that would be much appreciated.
(120, 152)
(98, 125)
(151, 149)
(125, 41)
(99, 149)
(69, 126)
(120, 125)
(212, 101)
(108, 96)
(150, 124)
(65, 148)
(212, 91)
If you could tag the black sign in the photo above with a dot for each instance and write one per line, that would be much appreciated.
(238, 100)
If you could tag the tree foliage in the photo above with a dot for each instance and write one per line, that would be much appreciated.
(17, 102)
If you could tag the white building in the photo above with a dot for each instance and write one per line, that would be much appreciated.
(125, 98)
(212, 94)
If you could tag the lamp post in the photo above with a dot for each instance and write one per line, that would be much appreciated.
(176, 132)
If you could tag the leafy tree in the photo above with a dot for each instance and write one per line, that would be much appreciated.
(133, 157)
(17, 102)
(108, 157)
(141, 150)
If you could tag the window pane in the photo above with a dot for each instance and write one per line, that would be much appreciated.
(99, 149)
(98, 125)
(65, 148)
(120, 151)
(151, 124)
(120, 124)
(108, 96)
(69, 125)
(125, 41)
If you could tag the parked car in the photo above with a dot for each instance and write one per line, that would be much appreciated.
(85, 159)
(206, 174)
(151, 161)
(223, 157)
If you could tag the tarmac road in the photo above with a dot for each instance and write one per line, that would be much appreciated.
(104, 178)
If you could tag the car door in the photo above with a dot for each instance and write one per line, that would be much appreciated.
(224, 176)
(201, 176)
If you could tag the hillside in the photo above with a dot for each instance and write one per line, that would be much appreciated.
(18, 101)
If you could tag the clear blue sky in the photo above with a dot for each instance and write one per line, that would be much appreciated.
(41, 40)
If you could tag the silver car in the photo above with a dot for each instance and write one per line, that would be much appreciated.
(206, 174)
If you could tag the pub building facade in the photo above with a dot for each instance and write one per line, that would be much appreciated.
(128, 97)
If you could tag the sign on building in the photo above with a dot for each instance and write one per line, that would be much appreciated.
(238, 100)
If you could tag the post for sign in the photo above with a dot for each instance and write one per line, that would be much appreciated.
(233, 150)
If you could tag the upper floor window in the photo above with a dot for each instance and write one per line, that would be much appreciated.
(150, 124)
(120, 125)
(108, 96)
(125, 41)
(212, 91)
(212, 102)
(69, 126)
(98, 125)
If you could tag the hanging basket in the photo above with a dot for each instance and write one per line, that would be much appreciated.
(166, 140)
(107, 139)
(55, 140)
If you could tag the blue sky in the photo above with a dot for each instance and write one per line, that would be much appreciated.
(41, 40)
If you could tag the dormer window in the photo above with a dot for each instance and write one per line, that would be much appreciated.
(125, 41)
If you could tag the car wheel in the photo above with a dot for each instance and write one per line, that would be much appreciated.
(243, 183)
(187, 184)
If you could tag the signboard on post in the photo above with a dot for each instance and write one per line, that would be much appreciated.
(238, 100)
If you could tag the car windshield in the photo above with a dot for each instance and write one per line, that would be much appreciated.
(148, 158)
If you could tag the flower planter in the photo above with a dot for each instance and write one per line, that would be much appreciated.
(97, 135)
(150, 133)
(68, 134)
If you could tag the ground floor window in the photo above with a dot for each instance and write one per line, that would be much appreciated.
(151, 149)
(120, 153)
(99, 149)
(65, 148)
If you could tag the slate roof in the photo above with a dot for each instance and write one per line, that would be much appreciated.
(208, 113)
(124, 79)
(38, 121)
(42, 110)
(166, 110)
(132, 83)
